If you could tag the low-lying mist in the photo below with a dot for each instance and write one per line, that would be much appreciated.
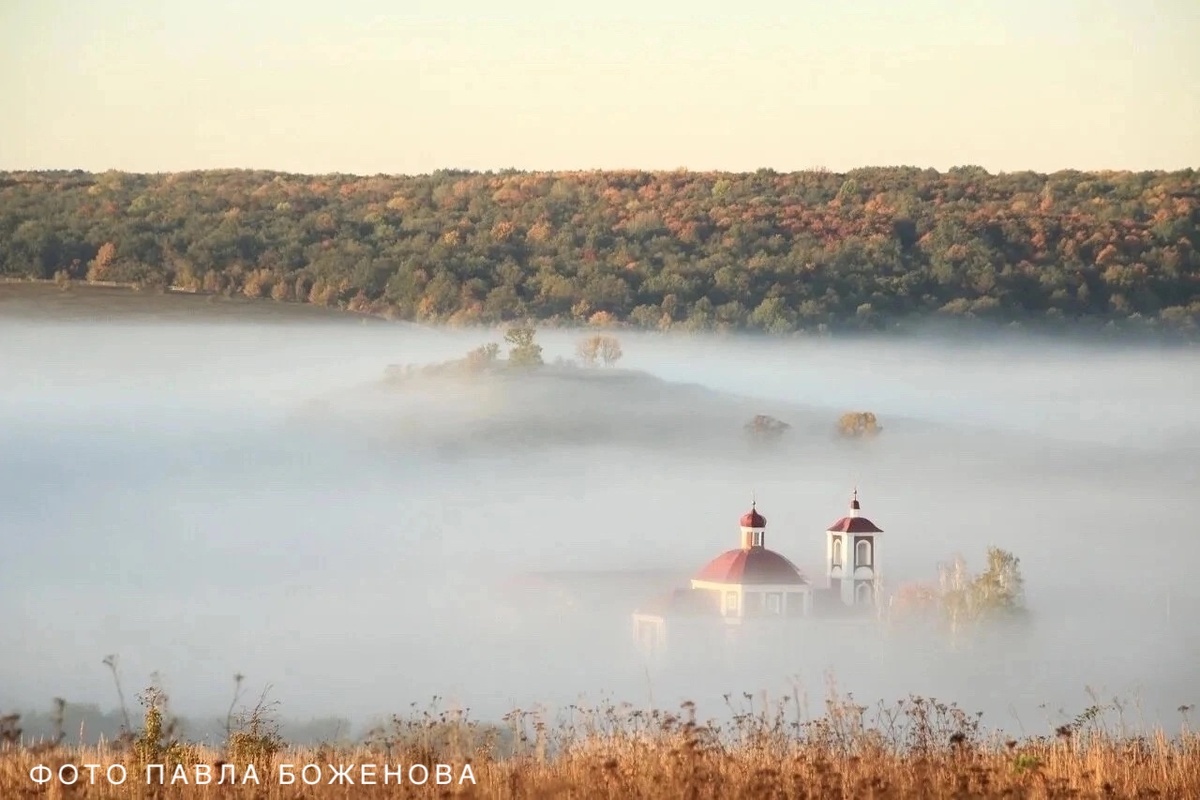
(211, 499)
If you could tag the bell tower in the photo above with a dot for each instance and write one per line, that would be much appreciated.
(852, 557)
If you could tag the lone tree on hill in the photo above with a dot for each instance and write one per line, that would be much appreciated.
(525, 352)
(599, 348)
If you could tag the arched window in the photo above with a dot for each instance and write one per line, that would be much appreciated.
(865, 592)
(862, 553)
(837, 552)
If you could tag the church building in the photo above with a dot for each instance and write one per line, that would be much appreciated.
(753, 586)
(852, 556)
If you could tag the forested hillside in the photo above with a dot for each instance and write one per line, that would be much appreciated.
(767, 251)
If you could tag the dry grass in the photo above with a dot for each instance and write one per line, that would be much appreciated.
(916, 748)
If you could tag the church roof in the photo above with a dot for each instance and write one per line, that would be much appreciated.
(854, 525)
(751, 565)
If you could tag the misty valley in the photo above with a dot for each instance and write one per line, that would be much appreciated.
(617, 400)
(364, 516)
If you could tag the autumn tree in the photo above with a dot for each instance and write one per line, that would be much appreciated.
(185, 277)
(914, 601)
(610, 350)
(100, 266)
(599, 348)
(257, 283)
(483, 357)
(858, 424)
(525, 352)
(588, 351)
(955, 585)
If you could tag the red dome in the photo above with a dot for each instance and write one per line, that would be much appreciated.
(753, 519)
(854, 525)
(750, 565)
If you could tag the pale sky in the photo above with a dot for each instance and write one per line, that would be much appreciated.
(410, 86)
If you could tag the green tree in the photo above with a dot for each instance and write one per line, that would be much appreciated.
(525, 352)
(1000, 589)
(996, 593)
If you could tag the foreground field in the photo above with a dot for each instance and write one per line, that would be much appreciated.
(917, 748)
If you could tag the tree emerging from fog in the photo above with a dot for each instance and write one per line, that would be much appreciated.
(525, 352)
(765, 428)
(997, 593)
(858, 425)
(599, 348)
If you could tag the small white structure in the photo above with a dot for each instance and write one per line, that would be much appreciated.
(852, 558)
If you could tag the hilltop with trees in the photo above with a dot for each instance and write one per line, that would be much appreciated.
(762, 251)
(507, 395)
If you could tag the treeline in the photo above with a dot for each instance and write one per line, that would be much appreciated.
(764, 250)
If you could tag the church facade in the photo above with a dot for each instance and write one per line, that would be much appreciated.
(753, 587)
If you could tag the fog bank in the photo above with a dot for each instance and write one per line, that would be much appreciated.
(208, 499)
